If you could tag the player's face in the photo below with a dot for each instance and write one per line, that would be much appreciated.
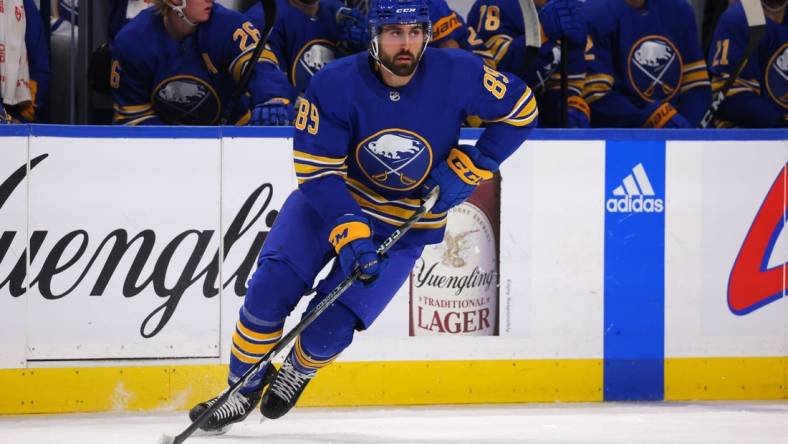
(198, 11)
(400, 47)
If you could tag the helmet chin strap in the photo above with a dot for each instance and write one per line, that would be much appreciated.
(774, 6)
(374, 50)
(179, 11)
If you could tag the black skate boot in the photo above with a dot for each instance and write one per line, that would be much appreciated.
(283, 393)
(236, 409)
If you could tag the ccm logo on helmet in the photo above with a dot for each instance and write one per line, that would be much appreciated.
(403, 10)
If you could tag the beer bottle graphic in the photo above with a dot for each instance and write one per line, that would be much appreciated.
(454, 285)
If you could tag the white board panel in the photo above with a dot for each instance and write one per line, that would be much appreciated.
(157, 202)
(13, 235)
(714, 191)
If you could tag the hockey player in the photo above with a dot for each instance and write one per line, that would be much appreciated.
(497, 35)
(759, 96)
(179, 63)
(645, 66)
(304, 38)
(364, 157)
(24, 61)
(448, 28)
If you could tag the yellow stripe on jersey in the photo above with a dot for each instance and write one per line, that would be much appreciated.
(134, 121)
(236, 66)
(694, 66)
(596, 87)
(330, 161)
(132, 109)
(524, 111)
(694, 75)
(309, 166)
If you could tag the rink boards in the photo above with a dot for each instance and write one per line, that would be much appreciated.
(634, 265)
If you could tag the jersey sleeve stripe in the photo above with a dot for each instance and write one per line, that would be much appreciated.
(134, 122)
(524, 111)
(132, 109)
(304, 157)
(236, 66)
(700, 65)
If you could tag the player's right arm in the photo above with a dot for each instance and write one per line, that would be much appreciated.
(320, 149)
(131, 80)
(743, 105)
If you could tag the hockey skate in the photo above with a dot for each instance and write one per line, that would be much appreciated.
(283, 393)
(236, 409)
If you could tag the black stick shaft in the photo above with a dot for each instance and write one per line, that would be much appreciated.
(564, 83)
(304, 323)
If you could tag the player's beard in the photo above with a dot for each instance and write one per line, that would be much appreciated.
(399, 68)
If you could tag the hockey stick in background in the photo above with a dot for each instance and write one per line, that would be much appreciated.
(756, 23)
(387, 243)
(533, 37)
(269, 16)
(564, 83)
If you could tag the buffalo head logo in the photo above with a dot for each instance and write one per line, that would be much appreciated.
(395, 159)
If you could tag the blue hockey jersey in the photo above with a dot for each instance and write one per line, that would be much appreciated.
(497, 35)
(156, 79)
(369, 148)
(302, 44)
(759, 97)
(638, 59)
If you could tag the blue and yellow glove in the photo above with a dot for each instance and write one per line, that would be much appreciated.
(352, 240)
(560, 18)
(464, 169)
(664, 115)
(4, 117)
(275, 112)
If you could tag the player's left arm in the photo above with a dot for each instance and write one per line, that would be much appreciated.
(508, 107)
(240, 37)
(695, 89)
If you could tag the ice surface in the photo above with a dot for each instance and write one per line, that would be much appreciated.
(712, 422)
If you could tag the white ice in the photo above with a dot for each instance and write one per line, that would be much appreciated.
(712, 422)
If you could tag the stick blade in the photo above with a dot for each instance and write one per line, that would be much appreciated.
(165, 439)
(753, 11)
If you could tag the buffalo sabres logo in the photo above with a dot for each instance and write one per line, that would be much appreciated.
(654, 68)
(313, 57)
(186, 100)
(395, 159)
(777, 76)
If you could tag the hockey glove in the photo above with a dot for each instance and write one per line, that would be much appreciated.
(458, 176)
(560, 18)
(353, 29)
(578, 113)
(352, 240)
(664, 115)
(275, 112)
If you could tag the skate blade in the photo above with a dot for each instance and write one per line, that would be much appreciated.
(222, 431)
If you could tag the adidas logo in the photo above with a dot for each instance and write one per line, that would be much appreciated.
(634, 195)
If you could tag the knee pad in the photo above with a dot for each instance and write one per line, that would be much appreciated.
(322, 341)
(274, 290)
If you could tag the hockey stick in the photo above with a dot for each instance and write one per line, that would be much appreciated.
(269, 16)
(304, 323)
(533, 38)
(756, 23)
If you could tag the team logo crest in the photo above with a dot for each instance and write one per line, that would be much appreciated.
(654, 68)
(186, 100)
(777, 76)
(395, 159)
(313, 57)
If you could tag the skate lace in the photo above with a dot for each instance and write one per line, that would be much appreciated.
(289, 381)
(236, 405)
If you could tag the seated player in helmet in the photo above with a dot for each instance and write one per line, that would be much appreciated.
(364, 158)
(179, 63)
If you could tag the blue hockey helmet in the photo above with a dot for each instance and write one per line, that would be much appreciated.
(397, 12)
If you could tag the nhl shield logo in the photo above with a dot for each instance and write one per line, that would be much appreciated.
(654, 68)
(313, 57)
(777, 76)
(395, 159)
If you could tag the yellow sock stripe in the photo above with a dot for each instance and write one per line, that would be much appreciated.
(252, 348)
(307, 361)
(345, 233)
(256, 336)
(246, 359)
